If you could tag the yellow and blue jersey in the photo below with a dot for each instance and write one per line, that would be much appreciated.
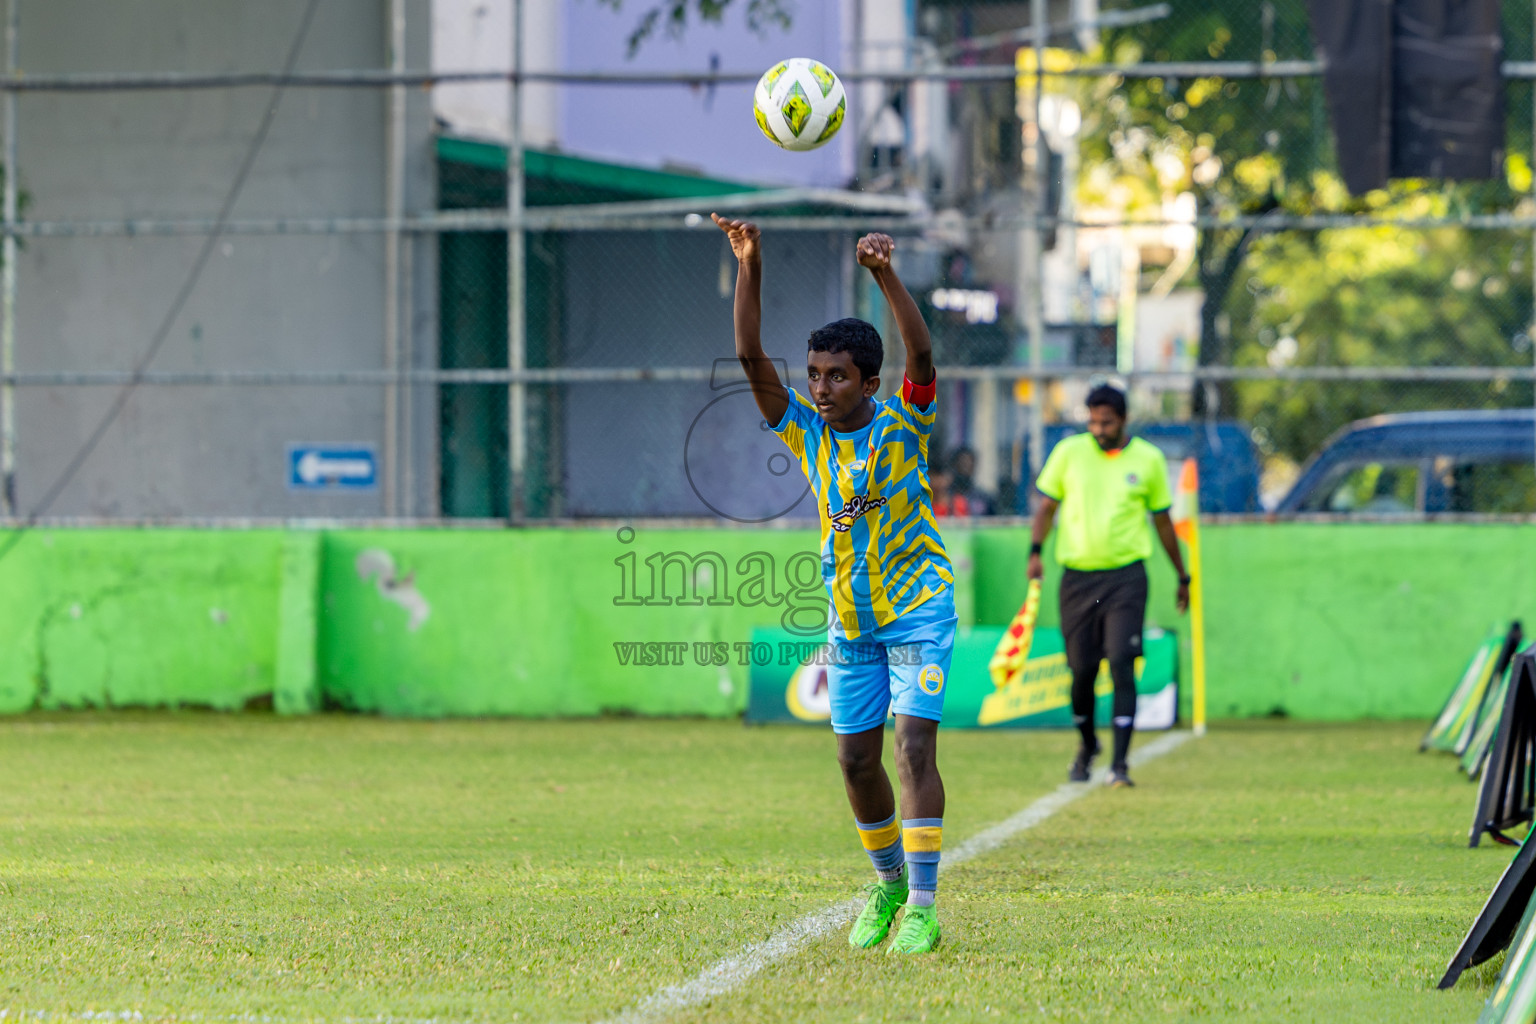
(881, 555)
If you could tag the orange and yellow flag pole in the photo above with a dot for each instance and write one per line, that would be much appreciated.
(1187, 525)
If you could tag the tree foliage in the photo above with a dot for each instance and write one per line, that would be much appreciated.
(673, 16)
(1352, 296)
(1240, 146)
(1378, 296)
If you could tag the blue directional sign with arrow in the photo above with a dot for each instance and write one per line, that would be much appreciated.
(332, 468)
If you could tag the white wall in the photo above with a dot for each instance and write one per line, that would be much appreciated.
(709, 131)
(880, 37)
(476, 35)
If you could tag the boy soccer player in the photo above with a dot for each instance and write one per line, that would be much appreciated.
(892, 614)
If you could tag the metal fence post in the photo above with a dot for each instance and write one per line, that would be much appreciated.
(517, 324)
(394, 204)
(8, 277)
(1034, 261)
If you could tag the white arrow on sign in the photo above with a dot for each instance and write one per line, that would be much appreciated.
(314, 467)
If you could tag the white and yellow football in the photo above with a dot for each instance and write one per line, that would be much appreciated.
(799, 103)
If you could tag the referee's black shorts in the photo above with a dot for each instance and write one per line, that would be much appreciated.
(1102, 613)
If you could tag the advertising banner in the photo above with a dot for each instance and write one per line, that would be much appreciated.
(789, 682)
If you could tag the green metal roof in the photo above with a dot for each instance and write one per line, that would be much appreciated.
(562, 171)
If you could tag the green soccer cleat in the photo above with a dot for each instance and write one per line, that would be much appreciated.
(919, 931)
(874, 921)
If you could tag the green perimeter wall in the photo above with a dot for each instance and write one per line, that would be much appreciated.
(1318, 621)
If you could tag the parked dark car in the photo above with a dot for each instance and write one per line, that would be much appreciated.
(1422, 463)
(1223, 451)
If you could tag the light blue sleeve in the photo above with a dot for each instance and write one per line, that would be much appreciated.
(799, 412)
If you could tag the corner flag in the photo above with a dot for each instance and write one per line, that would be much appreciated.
(1012, 652)
(1186, 523)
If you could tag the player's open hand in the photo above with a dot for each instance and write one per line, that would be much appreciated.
(744, 237)
(875, 251)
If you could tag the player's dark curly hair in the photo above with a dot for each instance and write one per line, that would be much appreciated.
(856, 337)
(1106, 394)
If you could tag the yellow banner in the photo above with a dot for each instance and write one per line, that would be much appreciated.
(1044, 685)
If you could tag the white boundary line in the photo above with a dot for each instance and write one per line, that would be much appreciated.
(8, 1014)
(726, 974)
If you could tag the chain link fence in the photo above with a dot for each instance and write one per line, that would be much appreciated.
(1155, 203)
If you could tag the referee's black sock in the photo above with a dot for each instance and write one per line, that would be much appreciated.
(1123, 670)
(1123, 729)
(1083, 677)
(1085, 729)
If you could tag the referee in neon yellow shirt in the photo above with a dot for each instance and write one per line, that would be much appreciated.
(1104, 485)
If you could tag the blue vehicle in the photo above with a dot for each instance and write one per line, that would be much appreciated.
(1420, 463)
(1223, 450)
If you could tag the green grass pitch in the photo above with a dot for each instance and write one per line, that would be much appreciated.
(205, 866)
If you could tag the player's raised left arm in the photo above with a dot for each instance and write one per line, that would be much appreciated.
(874, 252)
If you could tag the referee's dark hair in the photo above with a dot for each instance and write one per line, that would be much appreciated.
(1107, 394)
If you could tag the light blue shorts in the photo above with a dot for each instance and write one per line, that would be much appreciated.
(901, 667)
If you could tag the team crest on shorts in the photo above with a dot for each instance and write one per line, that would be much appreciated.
(931, 679)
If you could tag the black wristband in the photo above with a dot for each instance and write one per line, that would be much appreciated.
(1036, 548)
(1185, 581)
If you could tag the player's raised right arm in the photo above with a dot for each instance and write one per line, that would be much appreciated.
(769, 392)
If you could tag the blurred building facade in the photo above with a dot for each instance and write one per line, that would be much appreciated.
(603, 300)
(596, 300)
(295, 302)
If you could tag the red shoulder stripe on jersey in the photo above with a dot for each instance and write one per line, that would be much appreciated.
(919, 394)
